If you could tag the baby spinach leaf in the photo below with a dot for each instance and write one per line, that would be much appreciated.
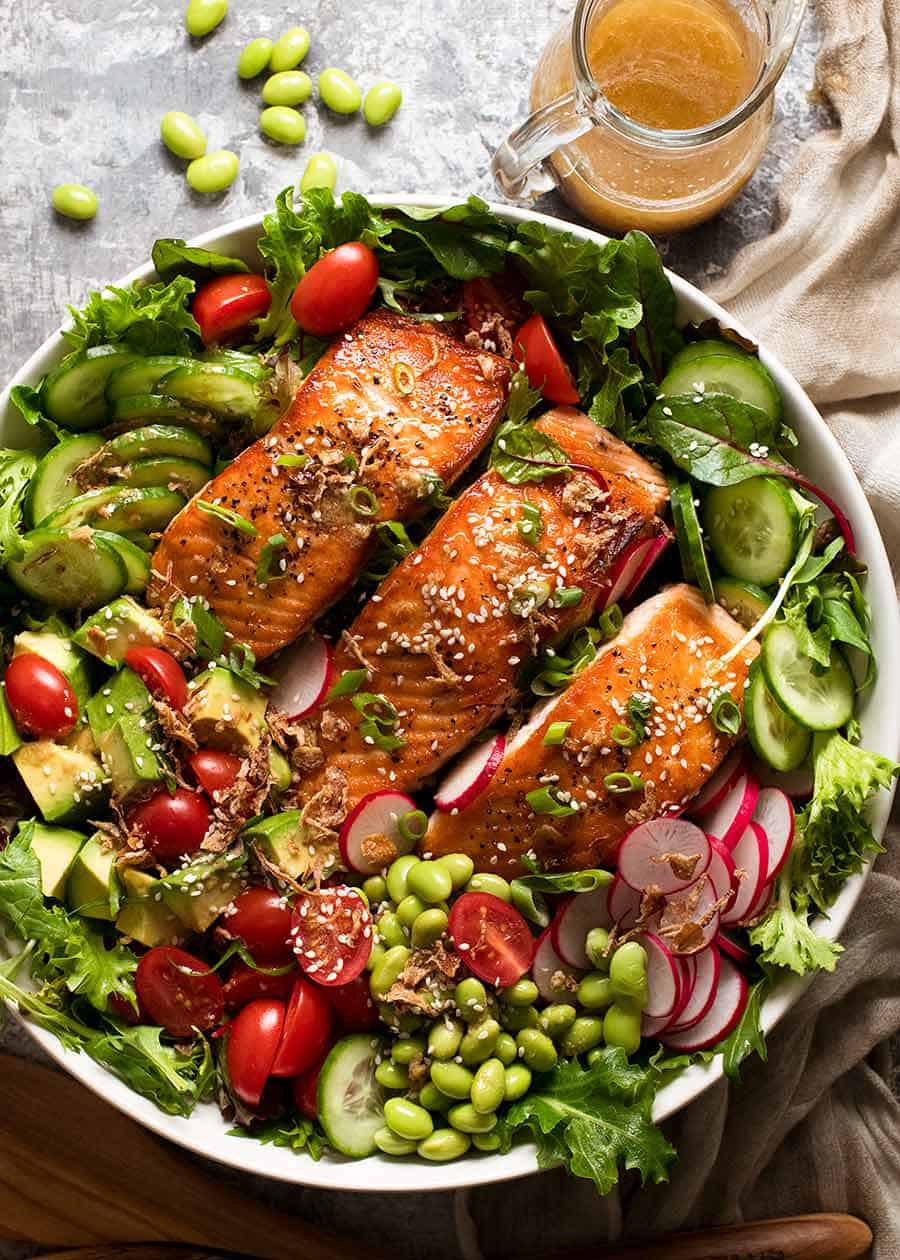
(711, 440)
(173, 257)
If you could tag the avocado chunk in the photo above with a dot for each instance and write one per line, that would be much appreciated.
(144, 916)
(124, 695)
(282, 839)
(128, 755)
(111, 631)
(93, 887)
(56, 848)
(225, 711)
(67, 785)
(199, 892)
(10, 739)
(280, 769)
(61, 652)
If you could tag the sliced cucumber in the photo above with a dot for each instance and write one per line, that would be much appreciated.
(135, 560)
(775, 737)
(753, 529)
(723, 369)
(118, 510)
(703, 349)
(142, 376)
(140, 407)
(743, 600)
(83, 509)
(140, 539)
(51, 484)
(690, 539)
(157, 440)
(819, 699)
(249, 363)
(350, 1100)
(75, 394)
(186, 475)
(66, 572)
(225, 391)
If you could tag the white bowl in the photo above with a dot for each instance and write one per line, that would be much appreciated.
(823, 460)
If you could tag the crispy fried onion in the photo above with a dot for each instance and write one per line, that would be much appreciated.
(235, 807)
(427, 981)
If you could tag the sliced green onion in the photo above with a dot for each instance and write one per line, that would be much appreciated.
(348, 684)
(640, 707)
(404, 378)
(379, 720)
(626, 736)
(348, 464)
(525, 599)
(546, 800)
(267, 568)
(726, 714)
(556, 733)
(363, 501)
(567, 597)
(412, 825)
(531, 526)
(292, 461)
(622, 781)
(230, 518)
(610, 622)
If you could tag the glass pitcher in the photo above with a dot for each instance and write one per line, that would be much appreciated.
(621, 173)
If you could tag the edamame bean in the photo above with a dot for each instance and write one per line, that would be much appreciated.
(595, 1056)
(203, 16)
(444, 1038)
(400, 1022)
(557, 1020)
(595, 945)
(290, 49)
(488, 1087)
(254, 58)
(470, 996)
(375, 889)
(432, 1098)
(390, 929)
(460, 867)
(408, 1049)
(622, 1027)
(486, 1141)
(584, 1035)
(182, 135)
(628, 973)
(465, 1118)
(452, 1079)
(283, 125)
(392, 1075)
(388, 970)
(390, 1144)
(429, 927)
(381, 103)
(496, 885)
(409, 909)
(397, 875)
(536, 1049)
(214, 172)
(320, 172)
(376, 953)
(444, 1144)
(505, 1049)
(479, 1042)
(517, 1081)
(523, 993)
(407, 1119)
(290, 87)
(340, 93)
(594, 991)
(75, 201)
(515, 1018)
(430, 881)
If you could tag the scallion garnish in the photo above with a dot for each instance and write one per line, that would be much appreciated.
(626, 736)
(230, 518)
(348, 464)
(363, 501)
(529, 596)
(379, 720)
(348, 684)
(531, 526)
(404, 378)
(412, 825)
(556, 732)
(567, 597)
(292, 461)
(267, 566)
(610, 622)
(546, 800)
(726, 713)
(621, 781)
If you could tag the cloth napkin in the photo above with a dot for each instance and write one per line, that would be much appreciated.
(817, 1127)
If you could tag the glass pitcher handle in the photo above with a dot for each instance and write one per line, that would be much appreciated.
(517, 165)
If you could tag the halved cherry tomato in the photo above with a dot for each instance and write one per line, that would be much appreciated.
(332, 932)
(492, 938)
(246, 984)
(353, 1005)
(493, 308)
(545, 367)
(173, 824)
(261, 918)
(160, 673)
(178, 991)
(306, 1091)
(123, 1010)
(227, 304)
(215, 771)
(40, 697)
(307, 1030)
(252, 1046)
(336, 290)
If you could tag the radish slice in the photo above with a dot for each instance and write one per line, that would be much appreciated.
(775, 814)
(649, 558)
(536, 719)
(303, 675)
(751, 857)
(471, 775)
(730, 945)
(729, 819)
(623, 904)
(714, 791)
(664, 977)
(573, 921)
(692, 905)
(707, 967)
(726, 1009)
(547, 966)
(626, 569)
(653, 1025)
(798, 784)
(721, 870)
(372, 829)
(647, 855)
(760, 905)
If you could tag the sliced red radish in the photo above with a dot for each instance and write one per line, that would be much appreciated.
(798, 784)
(303, 676)
(775, 814)
(649, 558)
(723, 1014)
(729, 819)
(623, 904)
(750, 856)
(651, 1025)
(664, 977)
(707, 966)
(471, 774)
(371, 837)
(721, 870)
(536, 719)
(666, 853)
(626, 569)
(695, 906)
(572, 922)
(550, 973)
(760, 905)
(729, 944)
(715, 790)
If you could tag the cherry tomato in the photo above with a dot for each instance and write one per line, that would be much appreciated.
(40, 697)
(252, 1046)
(245, 984)
(261, 918)
(306, 1091)
(332, 932)
(353, 1005)
(493, 939)
(215, 771)
(173, 823)
(178, 991)
(307, 1030)
(493, 308)
(336, 290)
(123, 1010)
(227, 304)
(545, 367)
(160, 673)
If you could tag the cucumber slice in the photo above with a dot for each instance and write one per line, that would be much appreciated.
(139, 538)
(51, 484)
(225, 391)
(139, 407)
(720, 371)
(142, 376)
(117, 510)
(350, 1100)
(249, 363)
(158, 439)
(703, 349)
(819, 699)
(753, 529)
(75, 394)
(690, 539)
(743, 600)
(135, 560)
(775, 737)
(66, 572)
(185, 475)
(83, 508)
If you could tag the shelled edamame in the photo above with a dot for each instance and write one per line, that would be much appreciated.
(203, 16)
(214, 172)
(182, 135)
(75, 201)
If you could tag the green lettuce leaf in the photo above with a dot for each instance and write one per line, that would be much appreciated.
(148, 318)
(16, 469)
(173, 257)
(748, 1037)
(520, 452)
(296, 1133)
(656, 335)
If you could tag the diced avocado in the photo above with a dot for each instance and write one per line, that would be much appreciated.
(61, 652)
(127, 753)
(124, 695)
(280, 769)
(111, 631)
(10, 739)
(67, 785)
(93, 888)
(225, 711)
(82, 738)
(199, 892)
(56, 849)
(144, 916)
(282, 839)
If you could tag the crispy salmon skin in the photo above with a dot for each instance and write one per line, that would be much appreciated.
(391, 409)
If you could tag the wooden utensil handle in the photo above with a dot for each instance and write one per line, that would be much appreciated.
(141, 1251)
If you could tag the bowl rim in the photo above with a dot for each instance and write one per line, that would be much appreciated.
(379, 1174)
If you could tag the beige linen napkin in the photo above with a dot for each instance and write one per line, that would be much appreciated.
(817, 1127)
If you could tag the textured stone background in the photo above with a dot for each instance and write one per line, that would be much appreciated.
(82, 88)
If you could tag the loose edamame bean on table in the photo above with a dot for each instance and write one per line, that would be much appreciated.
(255, 58)
(288, 87)
(75, 201)
(214, 172)
(381, 103)
(290, 49)
(320, 172)
(203, 16)
(182, 135)
(339, 92)
(283, 124)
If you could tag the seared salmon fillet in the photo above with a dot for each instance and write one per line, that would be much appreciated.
(667, 651)
(391, 408)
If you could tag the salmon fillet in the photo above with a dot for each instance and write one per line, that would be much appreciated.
(404, 426)
(665, 650)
